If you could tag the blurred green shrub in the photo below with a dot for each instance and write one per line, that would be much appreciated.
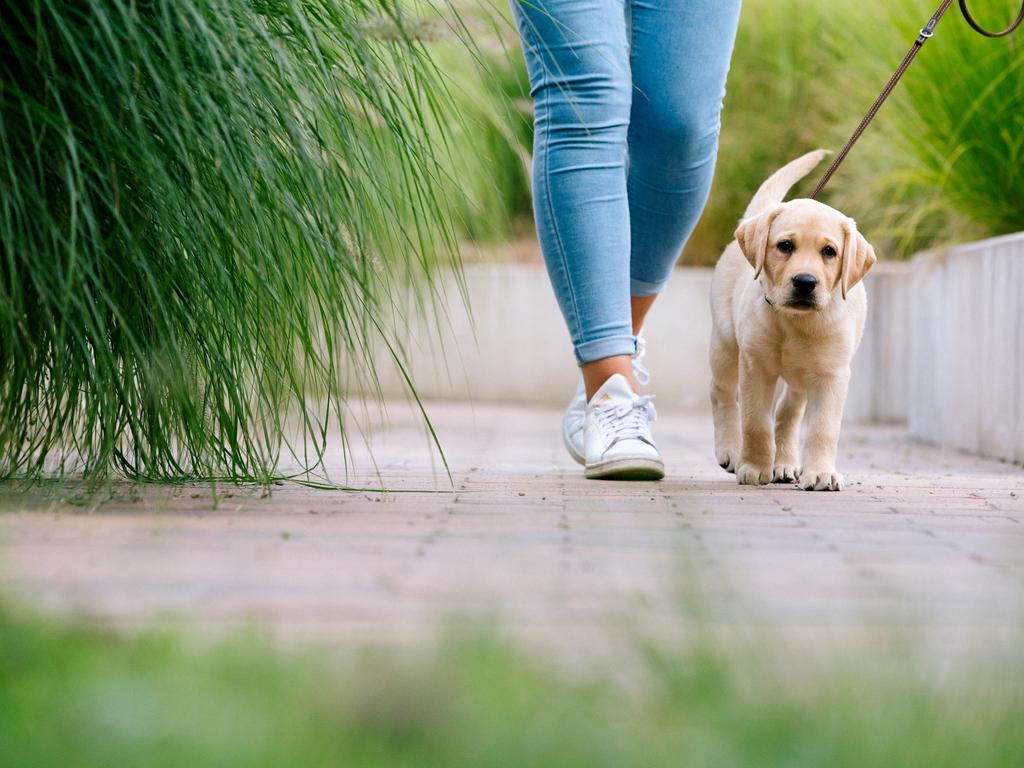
(941, 163)
(487, 138)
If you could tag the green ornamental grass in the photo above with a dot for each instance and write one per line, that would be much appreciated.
(206, 207)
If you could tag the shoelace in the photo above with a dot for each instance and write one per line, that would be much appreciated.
(628, 420)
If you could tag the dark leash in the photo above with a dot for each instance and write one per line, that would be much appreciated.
(922, 38)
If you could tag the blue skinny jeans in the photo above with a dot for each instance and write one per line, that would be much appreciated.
(627, 101)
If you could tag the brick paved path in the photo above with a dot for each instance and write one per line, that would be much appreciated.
(924, 539)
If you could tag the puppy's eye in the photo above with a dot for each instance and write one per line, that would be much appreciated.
(785, 246)
(828, 252)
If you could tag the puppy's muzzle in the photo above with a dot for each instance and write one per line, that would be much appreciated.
(801, 295)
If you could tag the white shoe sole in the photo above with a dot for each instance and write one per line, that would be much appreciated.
(626, 469)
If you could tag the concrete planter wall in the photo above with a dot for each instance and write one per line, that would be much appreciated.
(880, 386)
(520, 351)
(943, 350)
(515, 348)
(967, 348)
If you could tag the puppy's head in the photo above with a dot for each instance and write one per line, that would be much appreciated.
(806, 252)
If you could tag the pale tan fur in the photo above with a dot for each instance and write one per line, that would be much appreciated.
(755, 343)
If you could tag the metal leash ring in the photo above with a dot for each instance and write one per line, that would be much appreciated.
(981, 30)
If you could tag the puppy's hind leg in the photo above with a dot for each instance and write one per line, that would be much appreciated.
(787, 436)
(725, 376)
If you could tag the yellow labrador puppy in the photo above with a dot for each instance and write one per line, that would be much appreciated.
(787, 302)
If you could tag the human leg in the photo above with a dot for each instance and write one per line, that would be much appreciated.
(680, 53)
(577, 58)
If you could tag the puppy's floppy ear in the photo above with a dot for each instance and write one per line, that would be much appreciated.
(858, 256)
(752, 236)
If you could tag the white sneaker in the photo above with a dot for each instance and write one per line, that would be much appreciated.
(617, 434)
(575, 414)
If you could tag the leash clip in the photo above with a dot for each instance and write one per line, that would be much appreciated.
(927, 32)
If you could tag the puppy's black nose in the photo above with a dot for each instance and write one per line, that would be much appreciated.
(804, 283)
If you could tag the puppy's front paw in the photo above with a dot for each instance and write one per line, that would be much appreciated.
(784, 473)
(813, 480)
(727, 458)
(750, 474)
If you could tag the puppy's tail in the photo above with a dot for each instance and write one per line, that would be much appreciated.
(779, 183)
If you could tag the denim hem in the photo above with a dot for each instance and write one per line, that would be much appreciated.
(640, 288)
(598, 349)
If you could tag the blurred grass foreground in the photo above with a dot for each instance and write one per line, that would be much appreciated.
(77, 698)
